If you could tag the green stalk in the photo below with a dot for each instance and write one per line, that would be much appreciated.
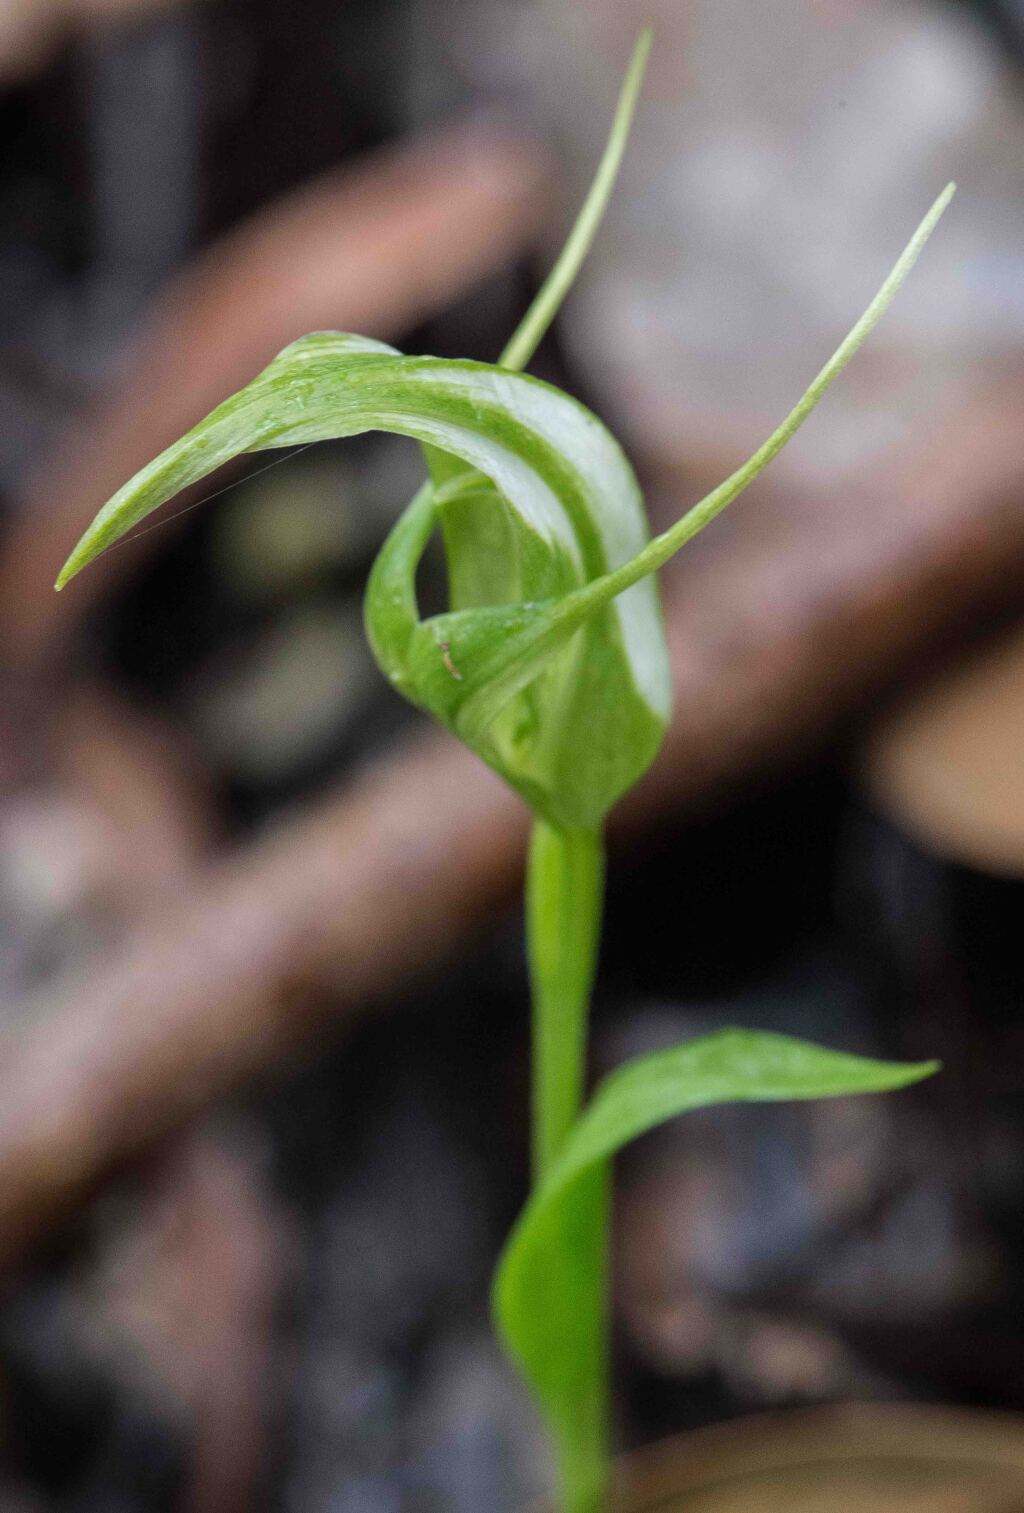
(564, 899)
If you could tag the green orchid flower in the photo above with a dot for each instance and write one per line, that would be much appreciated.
(550, 662)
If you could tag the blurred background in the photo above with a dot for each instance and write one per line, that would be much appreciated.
(262, 1002)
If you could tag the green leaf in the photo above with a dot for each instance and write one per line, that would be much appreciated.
(548, 1292)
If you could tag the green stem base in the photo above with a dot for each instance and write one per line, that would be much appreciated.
(564, 901)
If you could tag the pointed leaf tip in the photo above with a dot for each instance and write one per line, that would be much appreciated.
(531, 329)
(71, 569)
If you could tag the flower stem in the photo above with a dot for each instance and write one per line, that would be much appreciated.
(564, 899)
(564, 896)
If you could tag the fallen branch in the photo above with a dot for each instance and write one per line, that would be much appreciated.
(383, 880)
